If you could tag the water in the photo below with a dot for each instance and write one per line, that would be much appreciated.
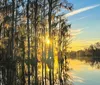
(85, 71)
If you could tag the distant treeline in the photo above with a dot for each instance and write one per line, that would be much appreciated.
(92, 50)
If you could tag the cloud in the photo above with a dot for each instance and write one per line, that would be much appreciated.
(82, 17)
(80, 10)
(75, 32)
(78, 19)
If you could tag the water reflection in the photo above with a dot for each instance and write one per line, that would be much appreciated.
(85, 70)
(93, 61)
(65, 78)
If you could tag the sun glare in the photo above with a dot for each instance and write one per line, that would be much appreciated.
(47, 40)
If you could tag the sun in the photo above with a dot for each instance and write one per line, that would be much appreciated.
(47, 40)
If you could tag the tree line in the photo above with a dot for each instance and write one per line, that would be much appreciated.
(33, 39)
(93, 50)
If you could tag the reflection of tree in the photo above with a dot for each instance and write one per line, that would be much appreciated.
(93, 52)
(93, 61)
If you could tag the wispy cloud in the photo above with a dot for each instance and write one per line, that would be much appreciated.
(83, 17)
(80, 10)
(75, 32)
(78, 19)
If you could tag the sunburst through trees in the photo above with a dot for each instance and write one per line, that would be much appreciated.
(33, 42)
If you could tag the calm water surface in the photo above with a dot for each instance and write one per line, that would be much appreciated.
(84, 72)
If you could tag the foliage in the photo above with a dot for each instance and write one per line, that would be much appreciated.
(24, 27)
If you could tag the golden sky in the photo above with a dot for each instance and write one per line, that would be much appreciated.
(81, 44)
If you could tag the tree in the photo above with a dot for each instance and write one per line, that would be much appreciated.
(24, 27)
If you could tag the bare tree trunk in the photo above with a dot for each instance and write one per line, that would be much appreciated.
(23, 60)
(35, 27)
(42, 65)
(12, 72)
(28, 35)
(12, 31)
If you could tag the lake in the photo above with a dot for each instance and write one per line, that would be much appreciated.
(85, 71)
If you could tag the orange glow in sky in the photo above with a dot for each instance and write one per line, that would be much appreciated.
(81, 44)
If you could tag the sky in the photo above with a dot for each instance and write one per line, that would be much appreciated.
(85, 20)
